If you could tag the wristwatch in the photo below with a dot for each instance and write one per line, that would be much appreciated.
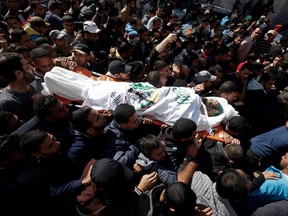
(188, 158)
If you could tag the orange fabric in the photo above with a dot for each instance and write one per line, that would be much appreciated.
(85, 72)
(107, 78)
(218, 130)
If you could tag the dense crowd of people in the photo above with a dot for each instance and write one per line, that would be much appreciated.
(60, 157)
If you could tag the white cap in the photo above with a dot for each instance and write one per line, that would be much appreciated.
(91, 27)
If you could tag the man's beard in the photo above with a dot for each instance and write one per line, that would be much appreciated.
(28, 77)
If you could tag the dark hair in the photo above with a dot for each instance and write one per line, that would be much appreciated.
(11, 16)
(159, 64)
(5, 117)
(267, 76)
(231, 185)
(67, 18)
(223, 50)
(9, 144)
(156, 19)
(40, 40)
(21, 49)
(53, 5)
(228, 87)
(154, 78)
(32, 140)
(173, 16)
(39, 52)
(234, 152)
(124, 47)
(43, 105)
(34, 4)
(141, 29)
(9, 63)
(79, 119)
(181, 198)
(123, 112)
(149, 143)
(215, 68)
(183, 128)
(16, 34)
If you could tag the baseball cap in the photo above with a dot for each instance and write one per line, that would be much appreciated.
(204, 76)
(91, 27)
(81, 48)
(117, 66)
(37, 21)
(56, 34)
(107, 173)
(273, 32)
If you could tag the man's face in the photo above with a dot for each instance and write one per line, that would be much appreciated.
(44, 64)
(256, 33)
(157, 25)
(284, 161)
(269, 85)
(80, 59)
(230, 96)
(39, 11)
(28, 75)
(50, 147)
(69, 27)
(144, 37)
(61, 43)
(165, 71)
(132, 123)
(12, 4)
(244, 74)
(59, 112)
(26, 41)
(123, 76)
(277, 62)
(51, 51)
(13, 24)
(159, 153)
(238, 41)
(92, 37)
(98, 123)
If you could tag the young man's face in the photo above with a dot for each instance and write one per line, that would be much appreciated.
(40, 10)
(80, 59)
(59, 112)
(145, 36)
(69, 27)
(13, 24)
(98, 123)
(12, 4)
(157, 25)
(277, 62)
(269, 85)
(92, 37)
(50, 147)
(230, 97)
(26, 41)
(28, 75)
(133, 122)
(159, 153)
(61, 43)
(43, 64)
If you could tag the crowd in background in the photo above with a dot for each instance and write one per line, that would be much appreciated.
(58, 157)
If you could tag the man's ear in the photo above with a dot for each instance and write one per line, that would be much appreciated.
(90, 131)
(18, 74)
(123, 125)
